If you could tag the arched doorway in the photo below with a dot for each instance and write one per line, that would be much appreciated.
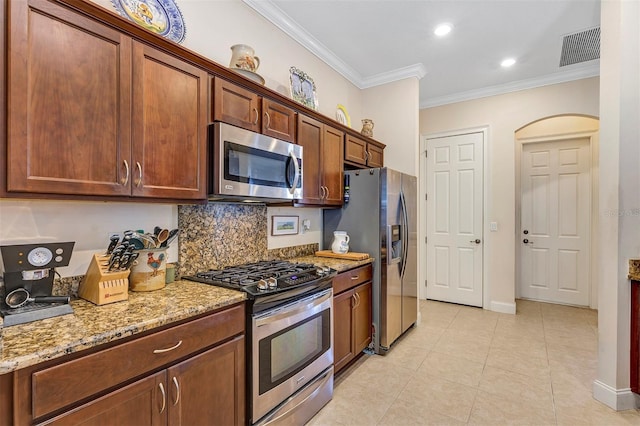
(556, 213)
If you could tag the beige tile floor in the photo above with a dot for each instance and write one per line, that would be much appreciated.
(464, 365)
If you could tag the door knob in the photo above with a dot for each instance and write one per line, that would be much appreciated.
(526, 241)
(525, 232)
(476, 241)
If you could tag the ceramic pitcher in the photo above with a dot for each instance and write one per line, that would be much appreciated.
(340, 243)
(367, 127)
(243, 57)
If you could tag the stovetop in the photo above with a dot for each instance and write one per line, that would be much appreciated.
(264, 278)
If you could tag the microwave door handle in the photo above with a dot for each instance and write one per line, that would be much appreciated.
(296, 177)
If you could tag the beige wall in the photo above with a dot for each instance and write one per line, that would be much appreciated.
(503, 115)
(619, 195)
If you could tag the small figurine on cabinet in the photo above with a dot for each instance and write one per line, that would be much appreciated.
(367, 127)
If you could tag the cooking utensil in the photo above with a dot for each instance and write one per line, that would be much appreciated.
(20, 297)
(126, 264)
(172, 236)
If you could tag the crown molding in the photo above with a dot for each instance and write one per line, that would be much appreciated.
(592, 70)
(277, 17)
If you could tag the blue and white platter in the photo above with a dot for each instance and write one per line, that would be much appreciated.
(160, 16)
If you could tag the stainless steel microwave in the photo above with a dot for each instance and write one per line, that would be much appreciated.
(248, 166)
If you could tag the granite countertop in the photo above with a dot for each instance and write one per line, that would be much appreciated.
(339, 265)
(634, 269)
(90, 325)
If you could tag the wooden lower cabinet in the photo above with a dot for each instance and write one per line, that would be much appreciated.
(352, 320)
(205, 389)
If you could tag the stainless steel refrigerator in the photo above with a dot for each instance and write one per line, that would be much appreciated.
(381, 219)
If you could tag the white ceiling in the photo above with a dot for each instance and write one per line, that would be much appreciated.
(372, 42)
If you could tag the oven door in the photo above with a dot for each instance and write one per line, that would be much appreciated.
(249, 165)
(291, 345)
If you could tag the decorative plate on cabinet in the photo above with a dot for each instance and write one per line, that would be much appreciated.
(159, 16)
(342, 116)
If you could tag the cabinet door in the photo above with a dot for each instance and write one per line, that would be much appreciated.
(332, 159)
(235, 105)
(209, 388)
(362, 317)
(169, 126)
(375, 156)
(343, 350)
(144, 402)
(69, 108)
(355, 151)
(310, 138)
(278, 121)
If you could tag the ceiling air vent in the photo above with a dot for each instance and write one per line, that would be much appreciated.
(580, 47)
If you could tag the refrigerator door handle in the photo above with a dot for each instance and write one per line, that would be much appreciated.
(405, 234)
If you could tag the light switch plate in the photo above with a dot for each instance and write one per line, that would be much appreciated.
(493, 226)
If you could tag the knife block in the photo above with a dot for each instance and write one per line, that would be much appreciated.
(101, 286)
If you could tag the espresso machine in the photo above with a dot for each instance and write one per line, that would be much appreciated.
(28, 271)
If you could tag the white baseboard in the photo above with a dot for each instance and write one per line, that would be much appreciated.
(503, 308)
(618, 399)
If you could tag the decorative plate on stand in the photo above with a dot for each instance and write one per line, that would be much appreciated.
(342, 116)
(159, 16)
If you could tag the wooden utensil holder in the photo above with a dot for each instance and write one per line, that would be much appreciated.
(101, 286)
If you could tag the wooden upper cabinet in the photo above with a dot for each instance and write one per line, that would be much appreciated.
(322, 160)
(359, 152)
(236, 105)
(93, 112)
(69, 103)
(332, 159)
(243, 108)
(278, 121)
(169, 127)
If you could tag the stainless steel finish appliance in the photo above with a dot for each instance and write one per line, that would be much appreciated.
(248, 166)
(289, 337)
(27, 275)
(381, 219)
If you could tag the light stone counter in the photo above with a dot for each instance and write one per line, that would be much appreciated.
(339, 265)
(634, 269)
(90, 325)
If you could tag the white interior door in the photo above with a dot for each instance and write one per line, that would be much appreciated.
(555, 221)
(454, 218)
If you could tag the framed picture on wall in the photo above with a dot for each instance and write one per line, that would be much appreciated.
(284, 225)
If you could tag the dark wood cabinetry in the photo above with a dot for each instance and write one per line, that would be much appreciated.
(358, 152)
(322, 162)
(634, 368)
(352, 315)
(179, 375)
(93, 112)
(243, 108)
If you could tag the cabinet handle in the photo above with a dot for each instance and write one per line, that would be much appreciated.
(355, 277)
(366, 156)
(164, 397)
(327, 193)
(356, 296)
(139, 167)
(126, 177)
(266, 114)
(257, 116)
(322, 192)
(175, 382)
(160, 351)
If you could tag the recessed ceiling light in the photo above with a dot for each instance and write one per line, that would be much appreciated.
(442, 30)
(507, 62)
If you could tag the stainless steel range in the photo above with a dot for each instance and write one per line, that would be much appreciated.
(290, 335)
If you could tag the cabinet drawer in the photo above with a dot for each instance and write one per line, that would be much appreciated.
(351, 278)
(72, 381)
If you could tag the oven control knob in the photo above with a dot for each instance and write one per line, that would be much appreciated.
(262, 285)
(272, 282)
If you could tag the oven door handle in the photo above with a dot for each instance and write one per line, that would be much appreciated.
(315, 304)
